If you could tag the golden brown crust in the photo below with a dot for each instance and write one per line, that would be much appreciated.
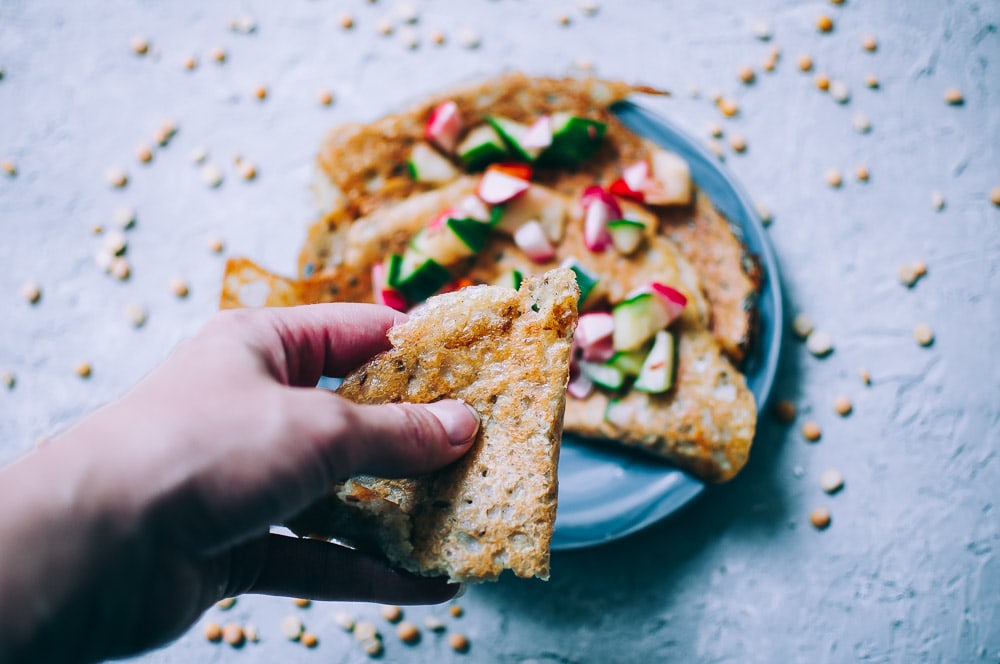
(505, 353)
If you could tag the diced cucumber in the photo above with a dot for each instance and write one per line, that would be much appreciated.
(418, 277)
(574, 140)
(512, 134)
(442, 243)
(426, 165)
(629, 361)
(538, 203)
(637, 320)
(481, 147)
(660, 366)
(626, 234)
(585, 278)
(619, 412)
(472, 233)
(516, 278)
(392, 266)
(603, 374)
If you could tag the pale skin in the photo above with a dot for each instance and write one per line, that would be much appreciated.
(118, 534)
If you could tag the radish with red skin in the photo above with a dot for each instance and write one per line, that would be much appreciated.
(636, 175)
(384, 293)
(620, 188)
(673, 300)
(539, 134)
(579, 387)
(594, 327)
(600, 207)
(497, 186)
(444, 126)
(533, 241)
(597, 193)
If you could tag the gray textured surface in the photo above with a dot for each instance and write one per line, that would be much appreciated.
(909, 570)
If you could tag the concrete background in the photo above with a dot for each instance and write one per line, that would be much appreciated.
(908, 570)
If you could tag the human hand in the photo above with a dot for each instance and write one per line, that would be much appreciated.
(146, 512)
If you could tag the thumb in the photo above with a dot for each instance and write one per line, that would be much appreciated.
(387, 440)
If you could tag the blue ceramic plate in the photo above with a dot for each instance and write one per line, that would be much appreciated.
(607, 493)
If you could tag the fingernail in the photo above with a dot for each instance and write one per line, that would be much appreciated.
(459, 419)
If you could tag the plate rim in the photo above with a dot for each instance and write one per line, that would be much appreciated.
(562, 538)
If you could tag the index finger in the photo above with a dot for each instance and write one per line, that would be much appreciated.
(302, 343)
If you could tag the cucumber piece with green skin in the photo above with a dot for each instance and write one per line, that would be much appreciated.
(574, 140)
(629, 361)
(660, 366)
(471, 232)
(512, 134)
(585, 279)
(637, 320)
(441, 244)
(482, 147)
(418, 277)
(603, 374)
(514, 279)
(626, 235)
(426, 165)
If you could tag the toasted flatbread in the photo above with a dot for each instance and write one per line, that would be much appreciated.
(506, 353)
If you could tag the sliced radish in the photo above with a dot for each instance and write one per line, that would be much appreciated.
(594, 327)
(579, 387)
(597, 193)
(531, 239)
(602, 351)
(673, 300)
(522, 171)
(474, 208)
(444, 126)
(441, 218)
(636, 175)
(595, 226)
(384, 293)
(500, 187)
(539, 134)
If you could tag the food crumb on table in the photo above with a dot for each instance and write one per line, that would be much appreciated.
(820, 518)
(831, 481)
(923, 334)
(819, 343)
(811, 431)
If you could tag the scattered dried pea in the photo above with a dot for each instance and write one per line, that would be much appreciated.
(833, 178)
(438, 38)
(179, 288)
(83, 369)
(805, 63)
(119, 267)
(346, 21)
(309, 640)
(251, 632)
(831, 481)
(301, 603)
(115, 243)
(408, 632)
(409, 38)
(923, 334)
(372, 647)
(819, 343)
(840, 92)
(31, 292)
(8, 379)
(762, 30)
(862, 173)
(784, 410)
(407, 12)
(260, 92)
(728, 107)
(764, 213)
(226, 603)
(589, 7)
(199, 154)
(124, 217)
(871, 80)
(212, 632)
(116, 177)
(937, 200)
(746, 75)
(738, 143)
(842, 405)
(211, 175)
(716, 148)
(216, 245)
(344, 620)
(802, 326)
(233, 635)
(455, 610)
(563, 19)
(8, 167)
(458, 642)
(822, 82)
(811, 431)
(995, 196)
(391, 613)
(136, 314)
(364, 631)
(820, 518)
(190, 63)
(292, 628)
(218, 54)
(866, 376)
(433, 623)
(869, 43)
(824, 23)
(954, 97)
(861, 123)
(139, 45)
(325, 97)
(144, 154)
(468, 37)
(247, 170)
